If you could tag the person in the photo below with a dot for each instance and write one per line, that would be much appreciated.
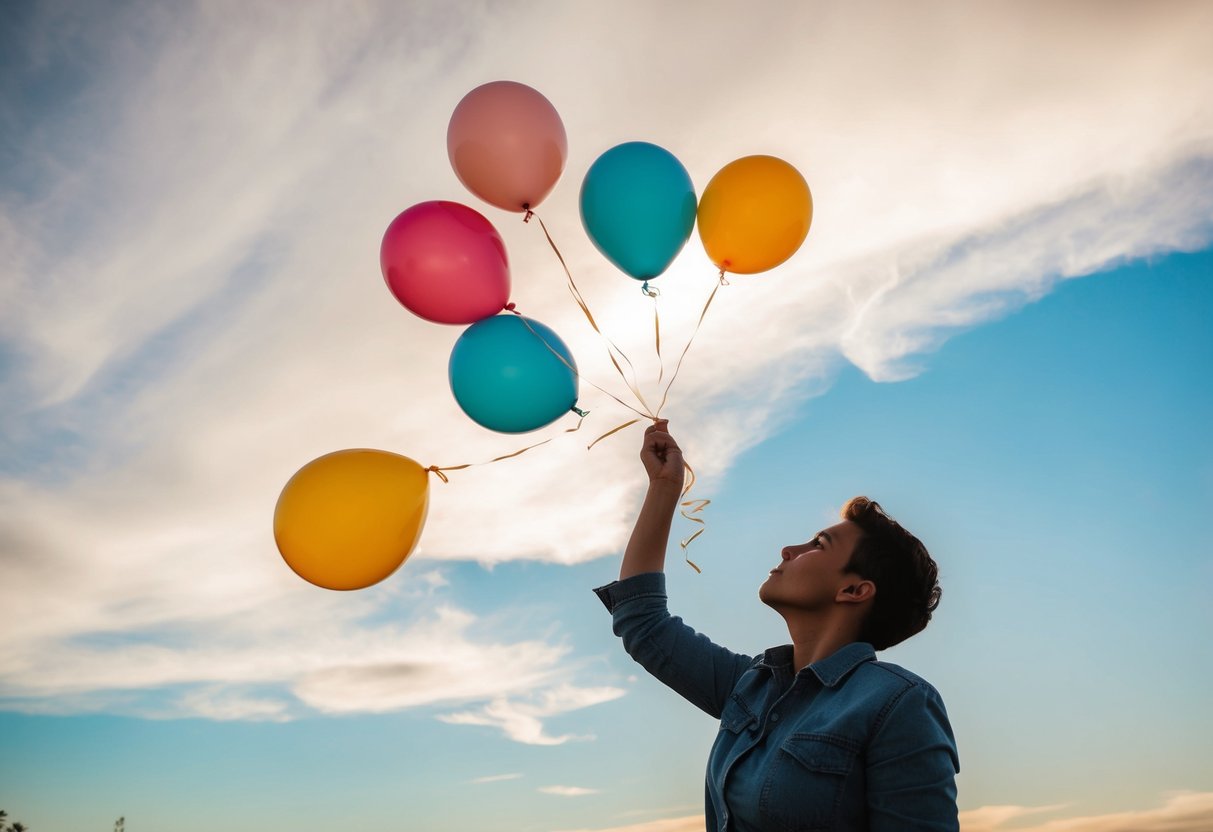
(815, 735)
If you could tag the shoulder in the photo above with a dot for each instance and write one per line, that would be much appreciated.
(898, 674)
(896, 686)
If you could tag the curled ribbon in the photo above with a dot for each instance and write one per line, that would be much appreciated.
(689, 508)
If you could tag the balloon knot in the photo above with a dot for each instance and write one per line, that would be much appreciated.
(724, 281)
(529, 213)
(579, 411)
(509, 307)
(434, 469)
(650, 291)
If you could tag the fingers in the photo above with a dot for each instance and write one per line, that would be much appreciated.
(658, 440)
(659, 425)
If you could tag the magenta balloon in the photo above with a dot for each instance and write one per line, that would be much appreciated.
(446, 263)
(507, 144)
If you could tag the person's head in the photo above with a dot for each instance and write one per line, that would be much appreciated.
(867, 568)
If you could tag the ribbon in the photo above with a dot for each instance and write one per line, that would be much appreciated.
(438, 469)
(573, 369)
(657, 341)
(716, 288)
(688, 508)
(611, 347)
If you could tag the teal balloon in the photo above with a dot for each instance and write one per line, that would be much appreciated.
(506, 378)
(638, 207)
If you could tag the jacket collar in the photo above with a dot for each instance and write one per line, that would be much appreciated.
(830, 670)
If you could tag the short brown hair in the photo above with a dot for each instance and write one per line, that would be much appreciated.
(906, 578)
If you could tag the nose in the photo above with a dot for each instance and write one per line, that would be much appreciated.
(785, 554)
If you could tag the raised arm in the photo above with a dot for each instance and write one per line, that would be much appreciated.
(662, 460)
(701, 671)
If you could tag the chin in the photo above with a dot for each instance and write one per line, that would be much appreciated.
(764, 592)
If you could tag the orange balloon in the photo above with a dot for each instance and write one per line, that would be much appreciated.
(754, 214)
(349, 519)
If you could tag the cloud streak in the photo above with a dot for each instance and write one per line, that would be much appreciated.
(522, 721)
(496, 778)
(566, 791)
(1180, 812)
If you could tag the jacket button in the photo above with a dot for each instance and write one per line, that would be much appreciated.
(774, 717)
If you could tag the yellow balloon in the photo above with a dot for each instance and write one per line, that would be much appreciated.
(349, 519)
(754, 214)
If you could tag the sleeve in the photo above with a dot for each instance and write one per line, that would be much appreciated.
(702, 672)
(912, 765)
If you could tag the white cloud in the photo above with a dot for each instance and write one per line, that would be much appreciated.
(191, 309)
(522, 721)
(689, 823)
(990, 818)
(567, 791)
(433, 579)
(330, 660)
(496, 778)
(1180, 812)
(220, 703)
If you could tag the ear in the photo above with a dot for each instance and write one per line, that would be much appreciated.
(856, 593)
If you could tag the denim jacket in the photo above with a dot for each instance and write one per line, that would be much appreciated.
(848, 743)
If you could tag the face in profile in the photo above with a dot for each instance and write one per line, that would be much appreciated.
(811, 574)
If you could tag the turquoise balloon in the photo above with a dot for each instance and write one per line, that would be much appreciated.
(506, 379)
(638, 207)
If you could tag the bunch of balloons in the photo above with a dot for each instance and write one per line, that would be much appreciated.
(349, 519)
(446, 263)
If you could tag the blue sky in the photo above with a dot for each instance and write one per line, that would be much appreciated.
(998, 327)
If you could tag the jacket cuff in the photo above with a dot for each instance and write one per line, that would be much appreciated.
(644, 585)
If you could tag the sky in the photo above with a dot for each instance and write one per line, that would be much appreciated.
(998, 327)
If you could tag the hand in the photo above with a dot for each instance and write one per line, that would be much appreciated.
(661, 456)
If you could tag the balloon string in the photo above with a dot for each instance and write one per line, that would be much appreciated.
(573, 369)
(689, 508)
(611, 347)
(665, 395)
(657, 341)
(610, 432)
(438, 469)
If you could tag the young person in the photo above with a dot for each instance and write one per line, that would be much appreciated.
(815, 735)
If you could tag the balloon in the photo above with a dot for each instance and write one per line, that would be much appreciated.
(638, 207)
(445, 263)
(348, 519)
(507, 380)
(754, 214)
(507, 144)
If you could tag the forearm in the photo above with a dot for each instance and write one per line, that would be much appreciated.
(651, 534)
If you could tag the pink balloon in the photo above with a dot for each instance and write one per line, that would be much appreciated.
(446, 263)
(507, 144)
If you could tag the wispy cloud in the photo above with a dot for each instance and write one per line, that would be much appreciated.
(496, 778)
(190, 305)
(522, 721)
(1180, 812)
(332, 661)
(566, 791)
(689, 823)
